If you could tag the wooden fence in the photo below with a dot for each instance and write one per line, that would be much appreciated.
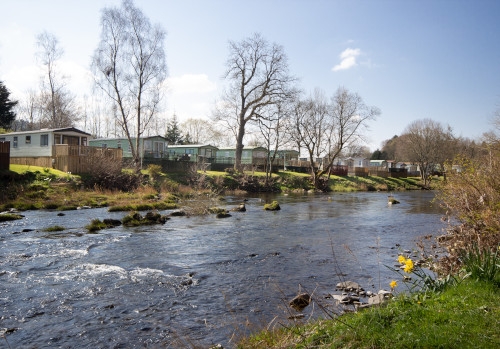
(4, 155)
(339, 170)
(69, 158)
(360, 171)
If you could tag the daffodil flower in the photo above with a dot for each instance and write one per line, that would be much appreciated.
(401, 259)
(409, 266)
(393, 284)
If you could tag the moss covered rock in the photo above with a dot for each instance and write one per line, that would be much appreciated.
(9, 217)
(136, 219)
(274, 206)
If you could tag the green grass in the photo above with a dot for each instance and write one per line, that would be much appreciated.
(463, 316)
(293, 180)
(9, 217)
(54, 228)
(25, 168)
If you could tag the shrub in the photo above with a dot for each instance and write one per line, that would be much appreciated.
(154, 171)
(67, 208)
(105, 172)
(50, 206)
(473, 197)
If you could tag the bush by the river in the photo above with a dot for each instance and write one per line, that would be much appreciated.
(473, 197)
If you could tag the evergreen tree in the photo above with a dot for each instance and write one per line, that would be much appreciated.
(174, 135)
(7, 115)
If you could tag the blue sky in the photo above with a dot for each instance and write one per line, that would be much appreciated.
(412, 59)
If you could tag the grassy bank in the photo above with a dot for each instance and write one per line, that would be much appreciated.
(32, 187)
(292, 181)
(463, 316)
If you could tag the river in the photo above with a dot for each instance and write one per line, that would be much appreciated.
(195, 281)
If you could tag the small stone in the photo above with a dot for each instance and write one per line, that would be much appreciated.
(349, 286)
(300, 301)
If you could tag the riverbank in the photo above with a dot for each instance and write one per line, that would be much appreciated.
(462, 316)
(32, 188)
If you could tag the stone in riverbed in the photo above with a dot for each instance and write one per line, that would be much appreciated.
(178, 213)
(274, 206)
(224, 214)
(349, 286)
(240, 208)
(301, 301)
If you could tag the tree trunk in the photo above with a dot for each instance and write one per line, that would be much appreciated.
(239, 146)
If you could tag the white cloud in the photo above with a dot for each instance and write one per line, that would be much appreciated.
(190, 96)
(348, 59)
(190, 83)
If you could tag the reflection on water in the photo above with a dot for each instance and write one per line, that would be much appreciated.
(194, 277)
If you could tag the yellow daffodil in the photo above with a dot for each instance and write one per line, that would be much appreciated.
(401, 259)
(393, 284)
(409, 266)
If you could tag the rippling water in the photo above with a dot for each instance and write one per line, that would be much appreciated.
(194, 280)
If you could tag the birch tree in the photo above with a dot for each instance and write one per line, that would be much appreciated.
(57, 104)
(129, 66)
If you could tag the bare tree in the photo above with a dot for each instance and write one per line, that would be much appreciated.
(56, 102)
(129, 67)
(349, 117)
(326, 129)
(273, 132)
(30, 110)
(259, 78)
(309, 121)
(200, 131)
(427, 143)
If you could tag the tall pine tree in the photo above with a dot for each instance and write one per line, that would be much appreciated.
(7, 114)
(174, 135)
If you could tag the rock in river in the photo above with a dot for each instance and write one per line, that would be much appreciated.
(300, 301)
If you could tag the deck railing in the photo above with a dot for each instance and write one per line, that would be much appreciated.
(82, 150)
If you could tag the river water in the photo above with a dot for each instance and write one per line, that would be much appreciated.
(195, 281)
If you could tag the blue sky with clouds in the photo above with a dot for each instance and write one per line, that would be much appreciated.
(435, 59)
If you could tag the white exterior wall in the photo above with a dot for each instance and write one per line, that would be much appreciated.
(34, 149)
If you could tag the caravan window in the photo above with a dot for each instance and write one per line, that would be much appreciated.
(28, 140)
(15, 142)
(44, 140)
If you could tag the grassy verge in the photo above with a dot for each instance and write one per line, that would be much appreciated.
(292, 181)
(463, 316)
(32, 188)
